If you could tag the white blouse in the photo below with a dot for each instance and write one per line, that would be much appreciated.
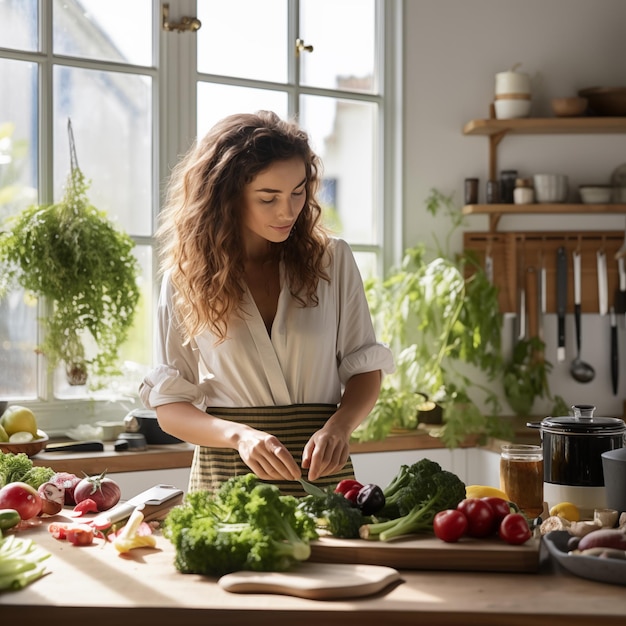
(310, 355)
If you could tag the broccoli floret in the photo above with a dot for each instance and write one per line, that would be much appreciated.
(439, 491)
(334, 514)
(19, 468)
(409, 486)
(245, 525)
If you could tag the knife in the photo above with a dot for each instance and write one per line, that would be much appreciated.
(603, 291)
(76, 446)
(561, 300)
(620, 300)
(614, 353)
(156, 496)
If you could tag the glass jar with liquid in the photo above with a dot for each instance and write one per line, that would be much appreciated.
(521, 477)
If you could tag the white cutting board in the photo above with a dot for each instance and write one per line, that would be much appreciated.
(316, 581)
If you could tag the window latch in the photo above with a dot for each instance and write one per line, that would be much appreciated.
(186, 23)
(301, 47)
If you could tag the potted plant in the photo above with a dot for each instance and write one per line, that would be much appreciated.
(440, 315)
(70, 254)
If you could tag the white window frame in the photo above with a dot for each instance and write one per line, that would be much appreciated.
(174, 129)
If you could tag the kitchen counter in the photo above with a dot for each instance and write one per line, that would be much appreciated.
(96, 586)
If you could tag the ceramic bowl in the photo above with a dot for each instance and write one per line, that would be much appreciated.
(596, 194)
(550, 188)
(606, 101)
(30, 448)
(569, 107)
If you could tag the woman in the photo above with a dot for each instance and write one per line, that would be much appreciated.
(268, 356)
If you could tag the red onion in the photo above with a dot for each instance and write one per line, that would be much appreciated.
(68, 482)
(104, 491)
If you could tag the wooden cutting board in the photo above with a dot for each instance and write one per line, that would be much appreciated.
(430, 553)
(316, 581)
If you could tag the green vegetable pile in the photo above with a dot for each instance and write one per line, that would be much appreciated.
(413, 498)
(245, 525)
(21, 562)
(334, 513)
(16, 468)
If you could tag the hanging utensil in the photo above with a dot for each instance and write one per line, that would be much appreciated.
(620, 296)
(580, 370)
(603, 290)
(614, 352)
(561, 301)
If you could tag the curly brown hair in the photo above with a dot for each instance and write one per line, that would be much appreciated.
(200, 234)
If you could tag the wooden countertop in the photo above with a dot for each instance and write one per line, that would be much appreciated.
(94, 585)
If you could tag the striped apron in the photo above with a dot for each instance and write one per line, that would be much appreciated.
(293, 425)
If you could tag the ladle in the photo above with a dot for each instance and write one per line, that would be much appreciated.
(580, 370)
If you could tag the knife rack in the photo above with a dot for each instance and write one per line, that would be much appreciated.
(513, 254)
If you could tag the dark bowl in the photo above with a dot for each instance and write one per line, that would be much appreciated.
(605, 101)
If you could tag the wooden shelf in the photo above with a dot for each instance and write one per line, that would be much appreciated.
(546, 125)
(496, 211)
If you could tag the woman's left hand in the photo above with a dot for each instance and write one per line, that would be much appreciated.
(326, 452)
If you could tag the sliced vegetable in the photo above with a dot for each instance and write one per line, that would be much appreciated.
(80, 534)
(130, 537)
(85, 506)
(68, 482)
(21, 562)
(9, 518)
(58, 530)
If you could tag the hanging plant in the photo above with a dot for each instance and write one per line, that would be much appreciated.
(70, 254)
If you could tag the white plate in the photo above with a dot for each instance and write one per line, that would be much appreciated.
(591, 567)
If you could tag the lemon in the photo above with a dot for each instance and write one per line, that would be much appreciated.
(567, 511)
(3, 434)
(17, 419)
(21, 437)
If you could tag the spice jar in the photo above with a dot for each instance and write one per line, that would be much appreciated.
(524, 192)
(508, 180)
(521, 477)
(493, 192)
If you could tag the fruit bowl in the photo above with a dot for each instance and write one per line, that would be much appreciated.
(29, 448)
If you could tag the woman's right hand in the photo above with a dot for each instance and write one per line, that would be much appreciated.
(266, 456)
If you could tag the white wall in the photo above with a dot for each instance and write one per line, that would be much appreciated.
(453, 49)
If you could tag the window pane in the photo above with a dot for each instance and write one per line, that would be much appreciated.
(344, 135)
(243, 38)
(135, 353)
(343, 36)
(217, 101)
(112, 121)
(18, 189)
(18, 24)
(115, 30)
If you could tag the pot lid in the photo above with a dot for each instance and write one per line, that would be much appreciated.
(584, 421)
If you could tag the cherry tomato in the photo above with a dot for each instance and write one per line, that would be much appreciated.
(450, 525)
(80, 535)
(481, 520)
(500, 507)
(514, 529)
(343, 486)
(352, 494)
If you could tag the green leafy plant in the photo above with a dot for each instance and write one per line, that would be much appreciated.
(526, 378)
(70, 254)
(440, 315)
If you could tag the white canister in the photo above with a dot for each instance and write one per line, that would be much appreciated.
(512, 82)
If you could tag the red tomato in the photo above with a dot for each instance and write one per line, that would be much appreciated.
(481, 520)
(21, 497)
(500, 507)
(58, 530)
(80, 535)
(514, 529)
(450, 525)
(351, 494)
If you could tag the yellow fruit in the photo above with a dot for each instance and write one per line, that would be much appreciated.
(3, 434)
(567, 511)
(19, 419)
(484, 491)
(21, 437)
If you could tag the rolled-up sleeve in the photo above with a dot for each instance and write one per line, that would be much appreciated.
(176, 377)
(357, 348)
